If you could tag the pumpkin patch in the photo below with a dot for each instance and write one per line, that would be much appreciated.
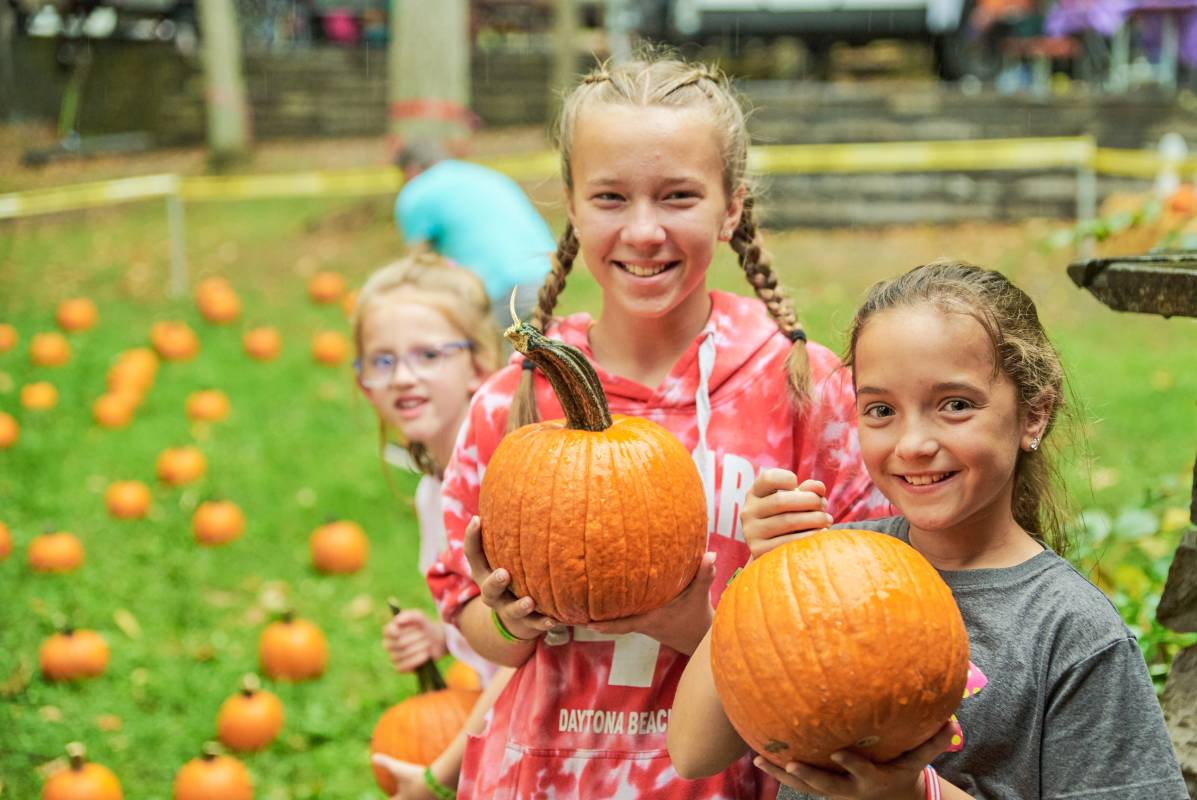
(873, 605)
(614, 504)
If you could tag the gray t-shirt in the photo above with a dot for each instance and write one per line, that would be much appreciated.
(1069, 710)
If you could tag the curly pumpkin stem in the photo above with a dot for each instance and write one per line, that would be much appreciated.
(77, 754)
(427, 674)
(574, 380)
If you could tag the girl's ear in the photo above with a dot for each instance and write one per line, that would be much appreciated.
(1034, 425)
(732, 214)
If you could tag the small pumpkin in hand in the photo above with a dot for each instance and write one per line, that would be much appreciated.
(82, 779)
(217, 522)
(39, 396)
(49, 349)
(262, 344)
(418, 729)
(73, 654)
(77, 314)
(330, 348)
(874, 605)
(339, 546)
(326, 287)
(213, 776)
(113, 410)
(208, 405)
(180, 465)
(174, 341)
(8, 337)
(614, 504)
(56, 551)
(292, 649)
(250, 719)
(127, 499)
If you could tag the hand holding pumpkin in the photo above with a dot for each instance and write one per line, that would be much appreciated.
(409, 778)
(680, 623)
(518, 614)
(410, 639)
(864, 779)
(780, 510)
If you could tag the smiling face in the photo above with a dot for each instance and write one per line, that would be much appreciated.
(940, 433)
(649, 207)
(427, 404)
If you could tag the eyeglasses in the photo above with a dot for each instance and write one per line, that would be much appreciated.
(378, 370)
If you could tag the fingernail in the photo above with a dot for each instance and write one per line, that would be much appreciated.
(501, 574)
(830, 519)
(758, 762)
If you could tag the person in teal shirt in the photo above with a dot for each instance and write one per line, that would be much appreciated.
(478, 218)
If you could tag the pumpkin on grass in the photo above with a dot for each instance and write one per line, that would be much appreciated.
(114, 410)
(55, 551)
(179, 465)
(326, 287)
(262, 344)
(5, 542)
(73, 654)
(127, 499)
(863, 602)
(219, 305)
(330, 348)
(39, 396)
(10, 431)
(217, 522)
(213, 776)
(418, 729)
(292, 649)
(8, 337)
(173, 340)
(250, 719)
(133, 372)
(339, 547)
(77, 314)
(614, 504)
(82, 780)
(49, 349)
(207, 405)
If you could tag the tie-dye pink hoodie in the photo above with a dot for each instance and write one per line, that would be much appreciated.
(586, 715)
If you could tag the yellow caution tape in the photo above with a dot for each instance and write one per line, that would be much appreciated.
(976, 156)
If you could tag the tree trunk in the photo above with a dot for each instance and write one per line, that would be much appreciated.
(228, 114)
(428, 64)
(565, 52)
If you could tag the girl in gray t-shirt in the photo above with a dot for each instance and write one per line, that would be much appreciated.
(957, 388)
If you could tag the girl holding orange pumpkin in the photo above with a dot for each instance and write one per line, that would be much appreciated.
(957, 389)
(425, 341)
(653, 157)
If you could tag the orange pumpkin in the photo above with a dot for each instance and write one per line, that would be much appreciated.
(292, 649)
(82, 780)
(77, 314)
(213, 777)
(8, 337)
(872, 604)
(461, 675)
(55, 552)
(180, 465)
(49, 349)
(134, 371)
(5, 542)
(10, 431)
(340, 546)
(174, 341)
(250, 719)
(330, 347)
(209, 405)
(219, 305)
(614, 504)
(211, 284)
(262, 344)
(39, 396)
(114, 410)
(127, 499)
(73, 654)
(418, 729)
(217, 522)
(326, 287)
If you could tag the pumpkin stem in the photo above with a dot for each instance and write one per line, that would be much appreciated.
(427, 673)
(574, 380)
(78, 755)
(210, 751)
(250, 685)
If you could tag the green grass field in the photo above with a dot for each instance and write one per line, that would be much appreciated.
(300, 447)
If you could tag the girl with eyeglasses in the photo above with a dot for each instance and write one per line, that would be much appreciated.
(425, 342)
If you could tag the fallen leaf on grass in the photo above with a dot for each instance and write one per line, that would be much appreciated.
(50, 713)
(109, 722)
(128, 624)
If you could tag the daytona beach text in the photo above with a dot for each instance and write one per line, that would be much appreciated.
(589, 720)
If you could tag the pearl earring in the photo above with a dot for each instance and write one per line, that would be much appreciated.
(1034, 444)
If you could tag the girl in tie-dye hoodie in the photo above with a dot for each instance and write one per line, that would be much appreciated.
(653, 157)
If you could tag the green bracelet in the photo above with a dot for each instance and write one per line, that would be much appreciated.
(502, 629)
(438, 789)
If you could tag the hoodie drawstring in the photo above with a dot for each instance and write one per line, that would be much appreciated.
(703, 457)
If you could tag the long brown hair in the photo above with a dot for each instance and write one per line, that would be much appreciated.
(1022, 352)
(654, 79)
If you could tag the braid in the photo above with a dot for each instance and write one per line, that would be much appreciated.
(523, 405)
(758, 268)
